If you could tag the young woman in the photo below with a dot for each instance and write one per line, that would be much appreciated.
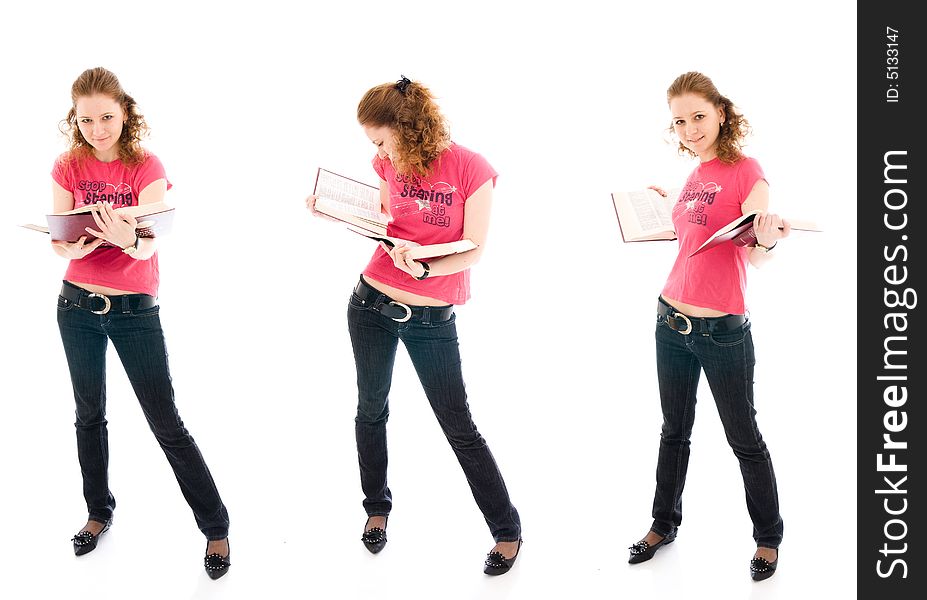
(109, 293)
(701, 316)
(433, 190)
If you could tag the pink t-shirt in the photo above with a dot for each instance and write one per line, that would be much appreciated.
(430, 211)
(90, 181)
(712, 197)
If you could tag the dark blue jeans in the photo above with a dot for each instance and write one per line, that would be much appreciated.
(433, 348)
(727, 359)
(139, 341)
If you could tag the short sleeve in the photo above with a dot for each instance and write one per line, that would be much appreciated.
(749, 173)
(476, 173)
(150, 171)
(379, 166)
(62, 172)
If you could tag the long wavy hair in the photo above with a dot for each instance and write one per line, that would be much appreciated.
(101, 81)
(409, 109)
(735, 127)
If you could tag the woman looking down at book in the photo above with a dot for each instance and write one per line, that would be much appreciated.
(434, 191)
(109, 293)
(701, 317)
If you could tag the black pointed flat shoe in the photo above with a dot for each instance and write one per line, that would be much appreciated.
(496, 564)
(761, 569)
(642, 551)
(85, 541)
(374, 538)
(217, 565)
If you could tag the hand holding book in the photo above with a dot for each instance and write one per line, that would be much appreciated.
(357, 206)
(118, 230)
(741, 231)
(769, 228)
(88, 222)
(76, 250)
(646, 215)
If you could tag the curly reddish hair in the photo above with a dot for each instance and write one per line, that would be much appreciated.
(101, 81)
(410, 110)
(735, 127)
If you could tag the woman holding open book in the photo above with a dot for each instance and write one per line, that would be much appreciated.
(701, 317)
(433, 190)
(109, 293)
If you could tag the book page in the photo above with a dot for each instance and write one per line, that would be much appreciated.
(653, 212)
(342, 195)
(645, 214)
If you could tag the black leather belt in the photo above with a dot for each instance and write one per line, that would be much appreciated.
(685, 324)
(100, 304)
(376, 300)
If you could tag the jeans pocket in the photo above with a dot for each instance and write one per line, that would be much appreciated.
(147, 312)
(355, 303)
(64, 304)
(728, 338)
(438, 325)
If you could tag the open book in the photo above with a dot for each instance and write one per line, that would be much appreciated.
(154, 219)
(645, 215)
(357, 205)
(740, 232)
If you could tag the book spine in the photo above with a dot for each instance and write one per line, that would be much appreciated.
(747, 238)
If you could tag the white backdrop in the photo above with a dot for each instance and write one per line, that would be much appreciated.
(567, 101)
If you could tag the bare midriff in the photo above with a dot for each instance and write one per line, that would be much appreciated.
(692, 310)
(402, 295)
(101, 289)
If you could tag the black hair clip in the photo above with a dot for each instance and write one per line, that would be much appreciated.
(403, 84)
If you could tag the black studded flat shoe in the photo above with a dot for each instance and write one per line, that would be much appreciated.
(374, 538)
(761, 569)
(216, 564)
(642, 551)
(496, 564)
(85, 541)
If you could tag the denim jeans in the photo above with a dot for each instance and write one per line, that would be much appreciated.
(139, 341)
(727, 359)
(433, 348)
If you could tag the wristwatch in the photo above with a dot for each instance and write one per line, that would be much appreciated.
(131, 249)
(763, 248)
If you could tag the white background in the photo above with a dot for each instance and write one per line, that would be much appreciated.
(567, 101)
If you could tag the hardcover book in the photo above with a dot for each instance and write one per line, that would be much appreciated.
(358, 207)
(154, 219)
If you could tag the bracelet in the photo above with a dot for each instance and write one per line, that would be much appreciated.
(425, 274)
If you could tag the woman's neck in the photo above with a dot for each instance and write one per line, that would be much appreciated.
(108, 156)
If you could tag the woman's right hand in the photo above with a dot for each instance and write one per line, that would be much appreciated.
(310, 204)
(657, 189)
(76, 250)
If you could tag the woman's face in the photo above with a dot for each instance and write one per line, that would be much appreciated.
(384, 138)
(697, 122)
(100, 120)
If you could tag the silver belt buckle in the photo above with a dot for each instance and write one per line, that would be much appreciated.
(106, 303)
(408, 314)
(685, 318)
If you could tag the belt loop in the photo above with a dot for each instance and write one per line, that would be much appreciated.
(426, 315)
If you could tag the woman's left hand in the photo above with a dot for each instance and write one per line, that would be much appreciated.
(402, 262)
(767, 229)
(118, 230)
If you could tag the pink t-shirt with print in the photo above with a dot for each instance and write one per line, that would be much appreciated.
(91, 181)
(712, 197)
(430, 210)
